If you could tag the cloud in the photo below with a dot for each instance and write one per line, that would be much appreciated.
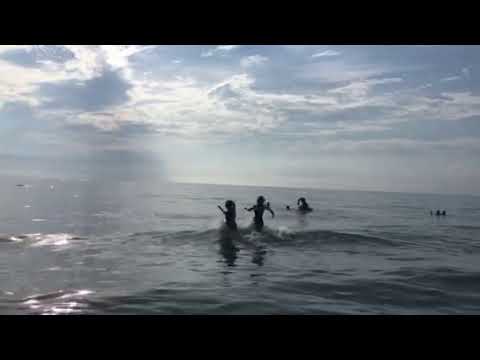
(227, 47)
(450, 78)
(20, 57)
(106, 90)
(376, 103)
(7, 48)
(90, 60)
(57, 65)
(99, 85)
(466, 72)
(326, 53)
(360, 89)
(221, 49)
(103, 85)
(184, 107)
(339, 71)
(253, 60)
(381, 146)
(298, 49)
(18, 83)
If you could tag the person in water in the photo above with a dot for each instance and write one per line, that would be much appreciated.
(259, 209)
(303, 205)
(438, 213)
(230, 214)
(444, 213)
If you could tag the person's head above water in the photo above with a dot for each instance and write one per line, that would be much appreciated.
(302, 200)
(260, 200)
(230, 204)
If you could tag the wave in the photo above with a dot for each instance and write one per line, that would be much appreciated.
(246, 236)
(464, 227)
(449, 278)
(406, 293)
(281, 236)
(58, 302)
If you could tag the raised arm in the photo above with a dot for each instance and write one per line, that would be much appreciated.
(223, 211)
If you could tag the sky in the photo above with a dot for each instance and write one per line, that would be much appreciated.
(381, 118)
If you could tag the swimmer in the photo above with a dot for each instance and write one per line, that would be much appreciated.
(259, 208)
(303, 205)
(230, 214)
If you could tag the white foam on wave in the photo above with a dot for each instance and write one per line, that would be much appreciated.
(11, 238)
(283, 231)
(31, 302)
(67, 308)
(15, 239)
(54, 303)
(39, 239)
(52, 239)
(77, 294)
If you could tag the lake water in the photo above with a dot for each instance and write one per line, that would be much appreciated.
(90, 247)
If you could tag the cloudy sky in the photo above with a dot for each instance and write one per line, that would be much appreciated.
(389, 118)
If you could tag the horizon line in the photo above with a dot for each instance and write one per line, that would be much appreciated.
(322, 189)
(88, 178)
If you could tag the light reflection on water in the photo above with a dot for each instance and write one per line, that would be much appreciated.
(56, 304)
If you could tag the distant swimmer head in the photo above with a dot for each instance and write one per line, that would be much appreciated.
(260, 200)
(288, 207)
(302, 201)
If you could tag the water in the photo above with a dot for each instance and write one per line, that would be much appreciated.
(90, 247)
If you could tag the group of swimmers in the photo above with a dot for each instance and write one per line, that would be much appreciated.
(259, 208)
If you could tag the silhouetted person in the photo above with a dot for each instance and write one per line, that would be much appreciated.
(437, 213)
(230, 214)
(444, 213)
(303, 205)
(259, 209)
